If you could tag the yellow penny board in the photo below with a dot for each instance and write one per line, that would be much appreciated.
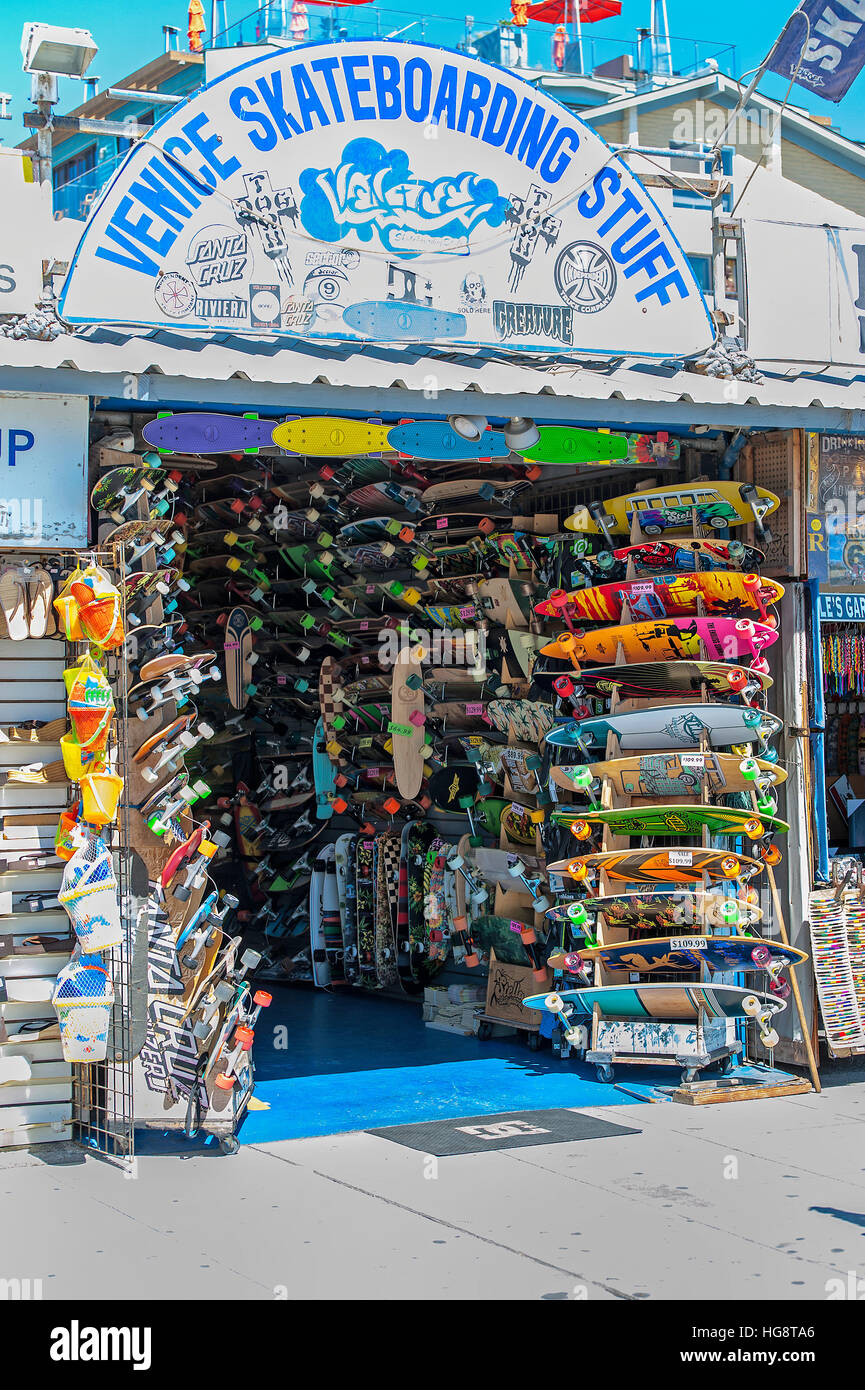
(325, 436)
(705, 494)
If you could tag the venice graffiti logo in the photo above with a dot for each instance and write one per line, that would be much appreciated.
(373, 192)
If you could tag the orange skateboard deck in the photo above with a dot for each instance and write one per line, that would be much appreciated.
(727, 593)
(667, 639)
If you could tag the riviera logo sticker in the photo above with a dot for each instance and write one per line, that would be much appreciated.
(373, 191)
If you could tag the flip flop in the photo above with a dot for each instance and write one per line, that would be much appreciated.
(13, 601)
(40, 594)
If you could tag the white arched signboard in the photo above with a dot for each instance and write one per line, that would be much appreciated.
(387, 192)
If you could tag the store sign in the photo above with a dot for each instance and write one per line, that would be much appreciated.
(389, 192)
(25, 238)
(814, 317)
(836, 508)
(43, 471)
(842, 608)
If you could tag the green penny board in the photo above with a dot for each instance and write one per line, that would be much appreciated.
(564, 444)
(672, 820)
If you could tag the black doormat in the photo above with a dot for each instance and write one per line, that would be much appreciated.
(513, 1129)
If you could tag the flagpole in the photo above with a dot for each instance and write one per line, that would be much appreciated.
(761, 72)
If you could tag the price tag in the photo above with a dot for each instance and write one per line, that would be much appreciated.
(646, 588)
(681, 858)
(404, 730)
(369, 589)
(694, 762)
(364, 627)
(516, 926)
(364, 743)
(441, 523)
(373, 772)
(467, 612)
(474, 709)
(282, 680)
(687, 943)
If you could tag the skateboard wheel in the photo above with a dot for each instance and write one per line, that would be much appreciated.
(262, 999)
(736, 679)
(771, 855)
(528, 936)
(746, 627)
(563, 685)
(761, 955)
(751, 1006)
(577, 914)
(577, 870)
(735, 550)
(460, 924)
(486, 527)
(581, 830)
(754, 829)
(730, 866)
(751, 717)
(769, 1038)
(780, 988)
(225, 1082)
(554, 1003)
(471, 960)
(728, 912)
(750, 769)
(540, 975)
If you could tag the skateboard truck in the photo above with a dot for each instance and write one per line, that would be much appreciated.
(576, 1034)
(759, 507)
(517, 870)
(243, 1038)
(599, 515)
(754, 1008)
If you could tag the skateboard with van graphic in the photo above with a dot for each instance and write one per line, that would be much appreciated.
(717, 505)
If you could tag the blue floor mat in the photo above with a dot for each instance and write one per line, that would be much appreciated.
(327, 1063)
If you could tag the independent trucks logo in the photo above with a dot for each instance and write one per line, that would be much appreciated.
(77, 1343)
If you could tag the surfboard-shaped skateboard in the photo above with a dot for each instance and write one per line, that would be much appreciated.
(675, 774)
(666, 639)
(725, 592)
(715, 504)
(685, 954)
(686, 865)
(670, 726)
(670, 678)
(672, 820)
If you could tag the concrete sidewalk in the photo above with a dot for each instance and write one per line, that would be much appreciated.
(757, 1200)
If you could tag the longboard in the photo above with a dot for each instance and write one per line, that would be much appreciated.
(686, 554)
(238, 649)
(199, 432)
(727, 593)
(671, 726)
(434, 440)
(407, 721)
(661, 865)
(668, 1002)
(568, 444)
(675, 774)
(667, 639)
(324, 774)
(716, 504)
(686, 954)
(676, 820)
(325, 436)
(657, 909)
(667, 678)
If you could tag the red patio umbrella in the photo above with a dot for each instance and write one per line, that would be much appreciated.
(564, 11)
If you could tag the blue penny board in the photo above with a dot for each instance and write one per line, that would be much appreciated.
(435, 440)
(391, 319)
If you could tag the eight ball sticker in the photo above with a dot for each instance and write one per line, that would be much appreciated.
(585, 277)
(264, 306)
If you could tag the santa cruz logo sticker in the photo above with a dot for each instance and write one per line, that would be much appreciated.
(585, 277)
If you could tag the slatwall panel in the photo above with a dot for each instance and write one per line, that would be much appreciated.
(31, 687)
(776, 461)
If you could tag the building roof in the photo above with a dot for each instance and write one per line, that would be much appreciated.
(279, 376)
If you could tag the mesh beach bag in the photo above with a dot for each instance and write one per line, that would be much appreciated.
(89, 894)
(84, 998)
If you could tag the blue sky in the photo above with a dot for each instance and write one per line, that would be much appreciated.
(128, 37)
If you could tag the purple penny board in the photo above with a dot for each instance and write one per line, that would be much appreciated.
(200, 433)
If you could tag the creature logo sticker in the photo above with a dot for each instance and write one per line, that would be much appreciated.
(585, 277)
(552, 321)
(374, 192)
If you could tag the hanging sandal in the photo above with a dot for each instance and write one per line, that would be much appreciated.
(40, 593)
(13, 601)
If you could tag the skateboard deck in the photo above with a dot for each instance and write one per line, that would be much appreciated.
(669, 678)
(667, 639)
(674, 774)
(687, 954)
(727, 593)
(715, 503)
(657, 909)
(671, 726)
(502, 935)
(568, 444)
(407, 721)
(318, 952)
(323, 773)
(386, 876)
(490, 492)
(344, 862)
(677, 820)
(434, 440)
(666, 1002)
(686, 554)
(325, 436)
(393, 320)
(238, 649)
(687, 865)
(198, 432)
